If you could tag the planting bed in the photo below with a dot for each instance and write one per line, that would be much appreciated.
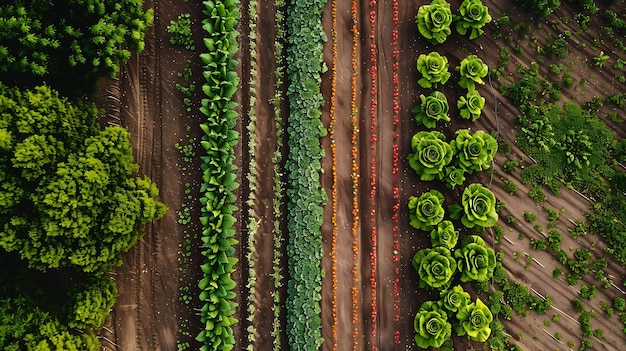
(370, 293)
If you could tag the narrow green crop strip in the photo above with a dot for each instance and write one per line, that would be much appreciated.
(218, 175)
(305, 37)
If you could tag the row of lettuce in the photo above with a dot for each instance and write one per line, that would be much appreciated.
(218, 175)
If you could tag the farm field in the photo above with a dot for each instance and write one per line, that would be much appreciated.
(293, 147)
(147, 315)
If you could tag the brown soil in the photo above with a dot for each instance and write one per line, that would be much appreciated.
(148, 313)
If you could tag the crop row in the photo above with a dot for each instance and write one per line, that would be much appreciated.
(218, 175)
(305, 37)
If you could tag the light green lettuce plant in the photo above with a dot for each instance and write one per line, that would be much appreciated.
(435, 267)
(474, 152)
(434, 69)
(434, 20)
(433, 108)
(473, 17)
(471, 105)
(478, 205)
(473, 321)
(426, 211)
(431, 154)
(455, 298)
(431, 325)
(444, 235)
(454, 176)
(472, 70)
(476, 261)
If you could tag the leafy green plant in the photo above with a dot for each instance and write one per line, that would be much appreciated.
(455, 298)
(478, 207)
(472, 70)
(473, 17)
(433, 68)
(474, 321)
(444, 235)
(435, 267)
(427, 210)
(433, 108)
(431, 325)
(454, 176)
(431, 154)
(471, 105)
(476, 260)
(474, 152)
(180, 31)
(434, 20)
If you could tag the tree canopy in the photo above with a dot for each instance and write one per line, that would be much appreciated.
(45, 40)
(68, 196)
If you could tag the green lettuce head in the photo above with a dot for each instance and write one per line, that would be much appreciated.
(479, 207)
(454, 176)
(473, 17)
(444, 235)
(434, 20)
(431, 325)
(434, 69)
(427, 210)
(472, 71)
(431, 154)
(455, 299)
(474, 321)
(471, 105)
(435, 267)
(474, 151)
(476, 260)
(432, 109)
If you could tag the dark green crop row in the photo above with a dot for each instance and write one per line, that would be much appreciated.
(218, 175)
(305, 38)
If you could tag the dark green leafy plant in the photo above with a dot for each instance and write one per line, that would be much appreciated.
(433, 68)
(471, 105)
(434, 20)
(427, 210)
(431, 154)
(433, 108)
(431, 325)
(444, 235)
(435, 267)
(472, 70)
(473, 17)
(180, 31)
(474, 321)
(476, 260)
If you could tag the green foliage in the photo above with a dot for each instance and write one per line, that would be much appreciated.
(89, 303)
(435, 267)
(431, 325)
(69, 198)
(472, 70)
(478, 205)
(509, 186)
(426, 211)
(434, 20)
(557, 49)
(444, 235)
(304, 62)
(43, 41)
(471, 105)
(180, 31)
(218, 175)
(476, 260)
(619, 304)
(433, 108)
(431, 154)
(474, 152)
(433, 68)
(455, 298)
(540, 7)
(474, 321)
(473, 17)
